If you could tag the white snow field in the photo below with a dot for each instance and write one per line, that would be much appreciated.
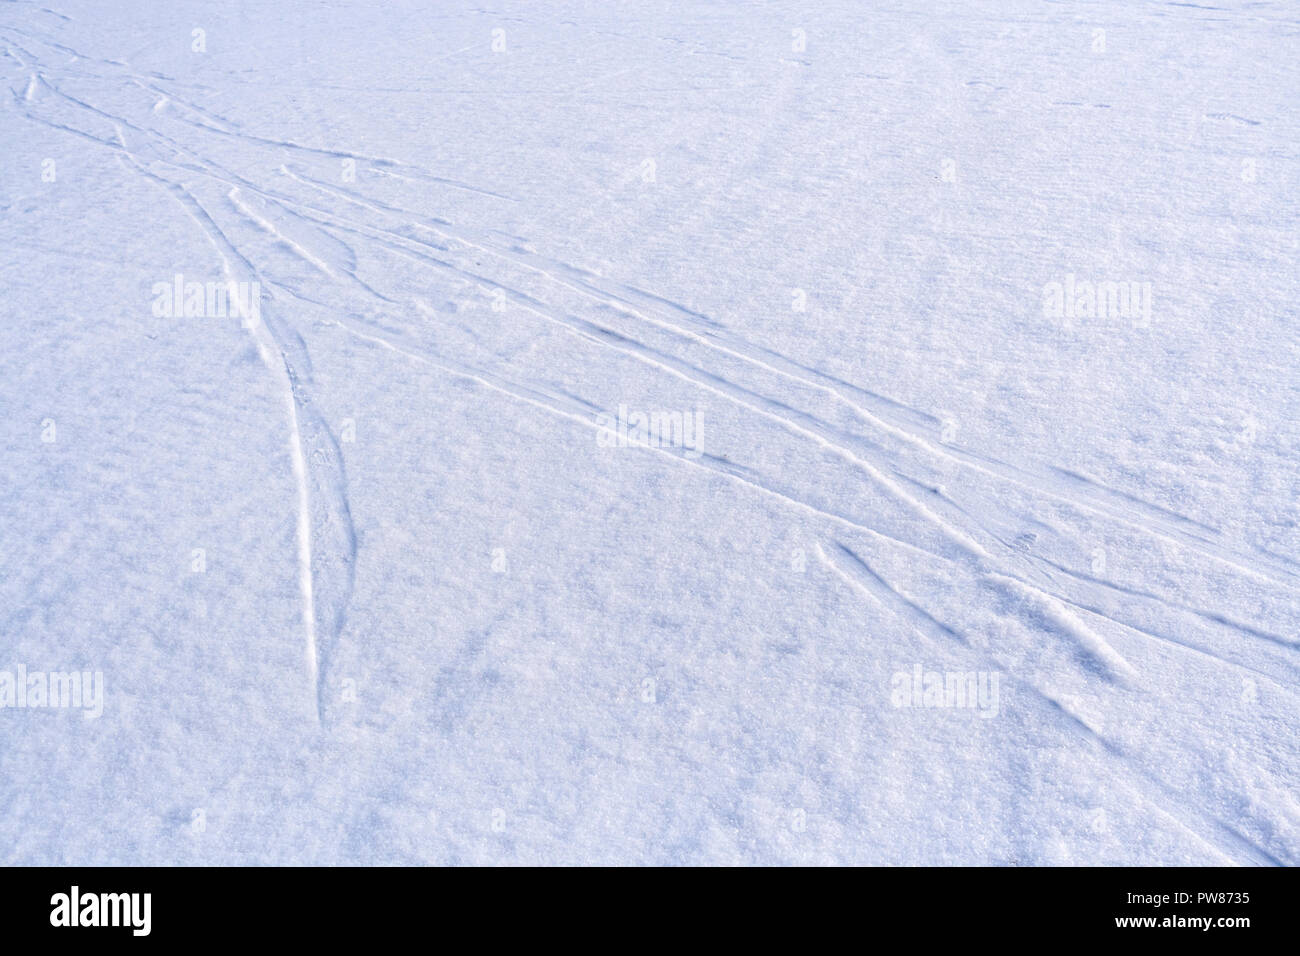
(654, 433)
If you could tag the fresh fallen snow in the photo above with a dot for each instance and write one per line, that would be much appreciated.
(378, 572)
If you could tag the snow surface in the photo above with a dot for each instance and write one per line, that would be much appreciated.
(366, 579)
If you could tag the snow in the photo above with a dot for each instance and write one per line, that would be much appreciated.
(412, 563)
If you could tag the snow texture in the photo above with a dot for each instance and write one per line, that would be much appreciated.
(657, 433)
